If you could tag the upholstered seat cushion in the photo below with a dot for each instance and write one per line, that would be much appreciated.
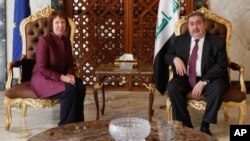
(23, 90)
(200, 98)
(233, 94)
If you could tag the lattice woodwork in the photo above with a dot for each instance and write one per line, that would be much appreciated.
(100, 34)
(108, 28)
(137, 81)
(144, 23)
(183, 8)
(119, 82)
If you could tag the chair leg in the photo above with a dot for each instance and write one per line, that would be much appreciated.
(7, 108)
(169, 111)
(23, 109)
(225, 111)
(242, 112)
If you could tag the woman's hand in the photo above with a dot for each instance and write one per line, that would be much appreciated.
(69, 78)
(73, 78)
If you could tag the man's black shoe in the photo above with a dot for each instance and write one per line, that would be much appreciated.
(206, 130)
(188, 124)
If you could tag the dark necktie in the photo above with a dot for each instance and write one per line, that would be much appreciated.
(192, 64)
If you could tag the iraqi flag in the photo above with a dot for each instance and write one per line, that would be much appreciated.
(21, 11)
(168, 14)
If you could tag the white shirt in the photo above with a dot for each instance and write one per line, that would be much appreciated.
(198, 61)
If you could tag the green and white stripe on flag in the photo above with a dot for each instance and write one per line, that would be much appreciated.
(168, 14)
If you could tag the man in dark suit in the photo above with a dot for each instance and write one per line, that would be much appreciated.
(206, 73)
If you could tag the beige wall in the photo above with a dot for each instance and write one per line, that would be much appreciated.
(238, 13)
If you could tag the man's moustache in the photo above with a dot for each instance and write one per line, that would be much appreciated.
(196, 30)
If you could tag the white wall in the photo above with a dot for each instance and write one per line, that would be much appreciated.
(35, 5)
(9, 26)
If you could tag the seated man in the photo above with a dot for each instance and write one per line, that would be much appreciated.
(200, 67)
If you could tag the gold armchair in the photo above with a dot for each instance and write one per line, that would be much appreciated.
(234, 97)
(21, 95)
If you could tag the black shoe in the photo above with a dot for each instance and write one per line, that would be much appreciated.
(188, 124)
(206, 130)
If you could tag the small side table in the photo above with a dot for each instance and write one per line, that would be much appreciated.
(105, 73)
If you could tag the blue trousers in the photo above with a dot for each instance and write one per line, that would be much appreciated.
(72, 103)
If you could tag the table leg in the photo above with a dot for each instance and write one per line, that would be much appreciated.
(103, 100)
(150, 87)
(96, 87)
(150, 108)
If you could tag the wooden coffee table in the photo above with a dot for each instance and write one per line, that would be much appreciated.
(98, 131)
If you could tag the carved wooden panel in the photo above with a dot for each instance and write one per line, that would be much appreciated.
(100, 34)
(108, 28)
(143, 34)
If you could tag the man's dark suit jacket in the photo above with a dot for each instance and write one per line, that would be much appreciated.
(214, 61)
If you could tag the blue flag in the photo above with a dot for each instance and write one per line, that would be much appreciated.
(21, 11)
(168, 14)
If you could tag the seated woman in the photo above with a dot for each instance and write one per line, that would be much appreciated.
(53, 74)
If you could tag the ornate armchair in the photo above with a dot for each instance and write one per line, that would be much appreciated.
(21, 95)
(234, 97)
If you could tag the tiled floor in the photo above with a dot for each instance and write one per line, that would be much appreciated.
(118, 104)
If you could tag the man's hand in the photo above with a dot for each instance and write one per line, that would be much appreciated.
(180, 66)
(198, 88)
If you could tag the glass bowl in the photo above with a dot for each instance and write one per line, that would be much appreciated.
(129, 129)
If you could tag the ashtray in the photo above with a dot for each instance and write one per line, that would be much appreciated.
(129, 129)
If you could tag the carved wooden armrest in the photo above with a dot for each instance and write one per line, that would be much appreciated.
(78, 70)
(77, 63)
(235, 66)
(10, 67)
(171, 73)
(240, 68)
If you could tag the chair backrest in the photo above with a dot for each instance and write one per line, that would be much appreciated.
(35, 26)
(32, 28)
(215, 24)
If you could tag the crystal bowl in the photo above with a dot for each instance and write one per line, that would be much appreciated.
(129, 129)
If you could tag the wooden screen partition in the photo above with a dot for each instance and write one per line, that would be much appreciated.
(108, 28)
